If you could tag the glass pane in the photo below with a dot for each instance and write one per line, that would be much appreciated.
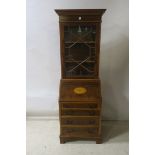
(79, 50)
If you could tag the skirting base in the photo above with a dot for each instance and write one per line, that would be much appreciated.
(66, 139)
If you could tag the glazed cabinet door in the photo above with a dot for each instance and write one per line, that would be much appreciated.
(79, 50)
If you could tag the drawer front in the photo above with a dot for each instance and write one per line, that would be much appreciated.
(80, 131)
(79, 105)
(80, 121)
(80, 18)
(80, 112)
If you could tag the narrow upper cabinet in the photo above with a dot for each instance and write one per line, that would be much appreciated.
(80, 42)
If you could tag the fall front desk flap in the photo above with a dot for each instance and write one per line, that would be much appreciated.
(79, 90)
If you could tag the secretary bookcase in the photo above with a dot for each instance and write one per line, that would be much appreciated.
(80, 98)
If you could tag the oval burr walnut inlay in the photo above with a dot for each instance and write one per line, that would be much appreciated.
(80, 90)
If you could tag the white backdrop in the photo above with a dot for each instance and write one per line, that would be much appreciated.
(43, 56)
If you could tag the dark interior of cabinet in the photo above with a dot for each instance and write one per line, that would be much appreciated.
(79, 52)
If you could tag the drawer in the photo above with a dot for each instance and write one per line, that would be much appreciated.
(79, 131)
(80, 112)
(80, 121)
(79, 18)
(79, 105)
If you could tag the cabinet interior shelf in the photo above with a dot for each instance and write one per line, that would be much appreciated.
(80, 126)
(85, 42)
(68, 61)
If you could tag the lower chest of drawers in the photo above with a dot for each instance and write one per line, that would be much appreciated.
(80, 110)
(80, 118)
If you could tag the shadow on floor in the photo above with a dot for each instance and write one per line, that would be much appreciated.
(115, 131)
